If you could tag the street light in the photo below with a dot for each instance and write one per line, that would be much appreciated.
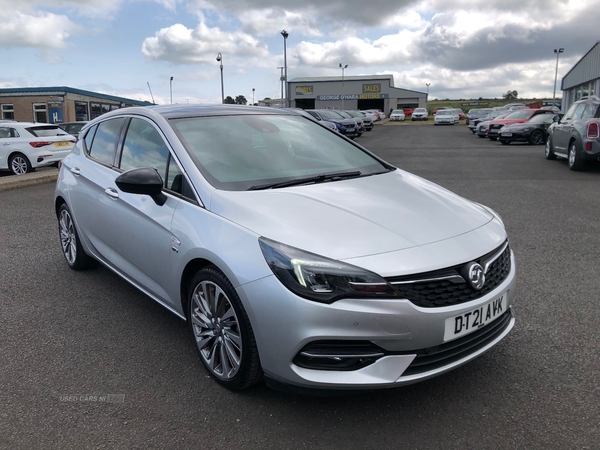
(282, 79)
(285, 35)
(427, 98)
(252, 96)
(171, 89)
(220, 59)
(558, 51)
(343, 67)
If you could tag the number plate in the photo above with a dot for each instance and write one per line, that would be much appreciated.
(507, 134)
(62, 144)
(470, 321)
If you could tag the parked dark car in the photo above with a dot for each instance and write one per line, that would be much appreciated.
(534, 131)
(577, 135)
(347, 127)
(483, 124)
(477, 113)
(518, 116)
(72, 128)
(488, 117)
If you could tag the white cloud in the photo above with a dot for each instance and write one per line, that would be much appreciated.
(181, 45)
(41, 30)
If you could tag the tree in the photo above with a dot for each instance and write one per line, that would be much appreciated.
(229, 100)
(240, 100)
(510, 95)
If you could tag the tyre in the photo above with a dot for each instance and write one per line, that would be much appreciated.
(72, 250)
(481, 136)
(536, 137)
(549, 151)
(492, 138)
(19, 164)
(221, 330)
(504, 142)
(575, 161)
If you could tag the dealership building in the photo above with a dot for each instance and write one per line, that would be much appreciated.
(352, 92)
(58, 104)
(583, 79)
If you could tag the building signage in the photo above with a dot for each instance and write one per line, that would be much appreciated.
(372, 88)
(55, 112)
(475, 104)
(304, 90)
(351, 97)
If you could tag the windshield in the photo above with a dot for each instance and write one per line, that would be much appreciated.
(520, 114)
(328, 114)
(445, 112)
(541, 118)
(240, 152)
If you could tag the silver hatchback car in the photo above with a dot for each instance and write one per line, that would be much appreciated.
(294, 254)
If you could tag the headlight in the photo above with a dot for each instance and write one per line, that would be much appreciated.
(322, 279)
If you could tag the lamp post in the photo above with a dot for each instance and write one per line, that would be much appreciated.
(558, 51)
(427, 97)
(220, 60)
(343, 67)
(282, 79)
(285, 35)
(171, 89)
(252, 96)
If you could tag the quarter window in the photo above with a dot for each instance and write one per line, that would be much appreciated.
(104, 145)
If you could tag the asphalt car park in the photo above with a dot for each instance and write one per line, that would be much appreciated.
(86, 348)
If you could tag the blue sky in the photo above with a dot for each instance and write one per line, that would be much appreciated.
(464, 49)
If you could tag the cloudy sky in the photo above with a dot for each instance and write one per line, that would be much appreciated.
(464, 49)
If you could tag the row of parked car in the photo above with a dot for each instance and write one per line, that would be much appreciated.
(350, 123)
(574, 135)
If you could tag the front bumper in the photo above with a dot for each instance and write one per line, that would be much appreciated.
(284, 324)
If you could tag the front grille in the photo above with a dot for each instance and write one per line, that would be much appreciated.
(444, 292)
(433, 358)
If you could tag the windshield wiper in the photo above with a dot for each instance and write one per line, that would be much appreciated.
(312, 179)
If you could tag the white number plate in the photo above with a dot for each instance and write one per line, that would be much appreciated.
(507, 134)
(470, 321)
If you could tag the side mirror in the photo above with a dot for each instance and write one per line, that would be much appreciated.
(144, 181)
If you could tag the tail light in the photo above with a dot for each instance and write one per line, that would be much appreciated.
(38, 144)
(592, 131)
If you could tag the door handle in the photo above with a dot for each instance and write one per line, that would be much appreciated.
(75, 171)
(112, 193)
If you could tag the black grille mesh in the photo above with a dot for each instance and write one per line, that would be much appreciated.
(435, 294)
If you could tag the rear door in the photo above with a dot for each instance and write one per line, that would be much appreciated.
(564, 128)
(5, 145)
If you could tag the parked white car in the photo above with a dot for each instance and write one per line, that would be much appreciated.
(397, 114)
(24, 146)
(420, 114)
(445, 116)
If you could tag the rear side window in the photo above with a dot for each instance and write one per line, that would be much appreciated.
(104, 144)
(578, 113)
(588, 112)
(47, 131)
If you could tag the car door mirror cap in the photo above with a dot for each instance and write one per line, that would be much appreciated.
(144, 181)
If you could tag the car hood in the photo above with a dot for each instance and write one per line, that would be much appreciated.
(508, 121)
(521, 126)
(356, 217)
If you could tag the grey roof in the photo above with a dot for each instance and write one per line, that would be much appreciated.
(584, 70)
(63, 90)
(346, 78)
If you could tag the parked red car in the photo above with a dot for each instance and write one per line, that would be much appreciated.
(518, 116)
(407, 111)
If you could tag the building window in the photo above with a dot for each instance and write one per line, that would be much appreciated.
(40, 113)
(8, 112)
(96, 110)
(81, 112)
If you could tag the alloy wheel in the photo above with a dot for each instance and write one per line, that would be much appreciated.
(19, 165)
(68, 238)
(216, 330)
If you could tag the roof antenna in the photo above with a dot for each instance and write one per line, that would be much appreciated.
(151, 92)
